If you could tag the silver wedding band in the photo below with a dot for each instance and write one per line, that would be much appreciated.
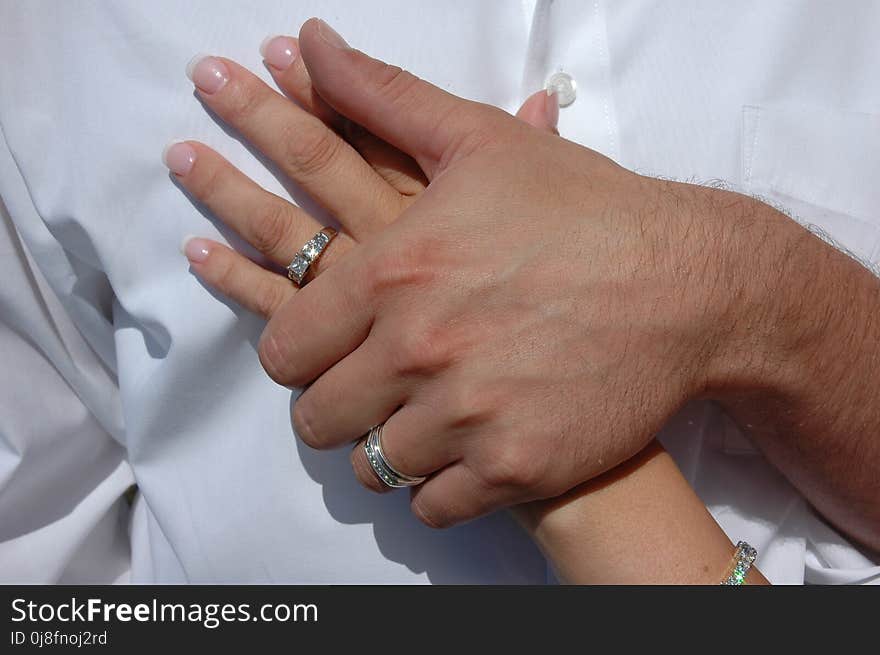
(308, 255)
(383, 470)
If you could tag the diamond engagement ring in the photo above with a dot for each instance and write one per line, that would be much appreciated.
(308, 255)
(384, 471)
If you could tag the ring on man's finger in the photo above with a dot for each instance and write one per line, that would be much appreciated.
(383, 470)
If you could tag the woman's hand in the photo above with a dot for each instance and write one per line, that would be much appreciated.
(361, 180)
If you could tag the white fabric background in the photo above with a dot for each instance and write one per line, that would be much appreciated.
(119, 366)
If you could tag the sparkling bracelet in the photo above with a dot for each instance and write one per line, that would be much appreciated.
(742, 561)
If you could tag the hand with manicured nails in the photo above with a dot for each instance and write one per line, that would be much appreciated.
(363, 181)
(521, 312)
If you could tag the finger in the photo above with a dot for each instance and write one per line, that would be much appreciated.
(363, 472)
(318, 159)
(275, 227)
(282, 58)
(357, 393)
(323, 323)
(237, 277)
(281, 55)
(399, 169)
(433, 126)
(455, 495)
(541, 110)
(413, 443)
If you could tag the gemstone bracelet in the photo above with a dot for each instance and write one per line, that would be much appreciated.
(742, 561)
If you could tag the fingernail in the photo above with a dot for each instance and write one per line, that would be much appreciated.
(279, 51)
(330, 35)
(195, 249)
(179, 157)
(551, 107)
(209, 74)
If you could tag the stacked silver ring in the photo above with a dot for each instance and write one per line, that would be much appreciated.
(308, 255)
(384, 471)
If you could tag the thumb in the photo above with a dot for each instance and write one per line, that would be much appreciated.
(431, 125)
(541, 110)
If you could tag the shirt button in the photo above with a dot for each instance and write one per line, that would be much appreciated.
(564, 86)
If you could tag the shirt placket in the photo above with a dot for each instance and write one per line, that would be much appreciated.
(568, 52)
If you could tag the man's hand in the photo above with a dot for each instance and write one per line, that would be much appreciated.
(539, 312)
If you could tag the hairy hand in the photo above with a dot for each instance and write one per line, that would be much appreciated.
(523, 313)
(529, 322)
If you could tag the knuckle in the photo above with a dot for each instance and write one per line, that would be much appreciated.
(271, 228)
(245, 103)
(491, 125)
(486, 119)
(225, 273)
(273, 357)
(473, 403)
(395, 84)
(420, 350)
(514, 467)
(293, 377)
(429, 515)
(399, 267)
(464, 128)
(376, 278)
(207, 185)
(312, 151)
(303, 425)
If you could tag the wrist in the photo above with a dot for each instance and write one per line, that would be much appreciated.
(795, 359)
(796, 319)
(639, 523)
(769, 302)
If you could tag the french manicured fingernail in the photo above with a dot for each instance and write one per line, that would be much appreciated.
(209, 74)
(330, 35)
(279, 51)
(551, 107)
(195, 249)
(179, 157)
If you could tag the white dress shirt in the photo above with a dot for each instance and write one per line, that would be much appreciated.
(119, 366)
